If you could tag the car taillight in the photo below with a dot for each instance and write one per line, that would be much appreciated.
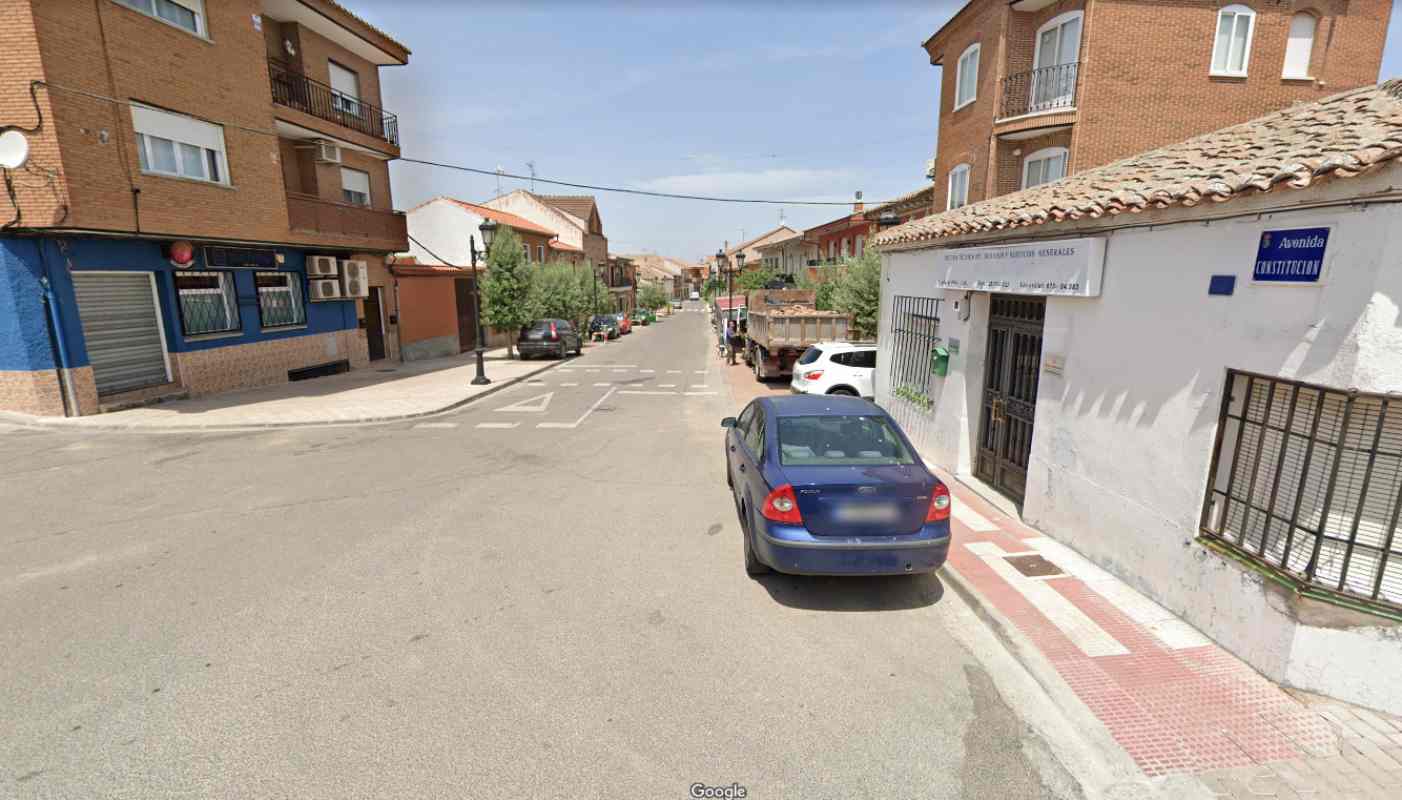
(553, 334)
(813, 376)
(939, 504)
(782, 506)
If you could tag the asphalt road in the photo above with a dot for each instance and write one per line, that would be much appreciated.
(555, 608)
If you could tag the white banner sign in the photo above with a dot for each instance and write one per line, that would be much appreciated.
(1068, 267)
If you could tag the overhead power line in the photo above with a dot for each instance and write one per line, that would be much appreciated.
(498, 172)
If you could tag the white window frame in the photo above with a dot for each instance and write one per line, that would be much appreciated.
(861, 245)
(226, 292)
(292, 288)
(150, 123)
(970, 51)
(1307, 48)
(1042, 155)
(369, 198)
(195, 7)
(956, 171)
(1222, 13)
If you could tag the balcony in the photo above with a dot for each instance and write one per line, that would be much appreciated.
(346, 225)
(1039, 91)
(297, 91)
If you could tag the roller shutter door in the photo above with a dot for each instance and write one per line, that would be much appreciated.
(123, 330)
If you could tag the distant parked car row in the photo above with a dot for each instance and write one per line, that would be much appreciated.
(559, 337)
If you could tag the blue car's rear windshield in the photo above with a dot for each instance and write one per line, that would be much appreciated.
(840, 441)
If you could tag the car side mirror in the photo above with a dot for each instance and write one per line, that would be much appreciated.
(728, 422)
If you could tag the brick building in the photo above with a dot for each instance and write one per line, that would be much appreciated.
(206, 204)
(1032, 90)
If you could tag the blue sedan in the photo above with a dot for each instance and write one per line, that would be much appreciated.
(829, 485)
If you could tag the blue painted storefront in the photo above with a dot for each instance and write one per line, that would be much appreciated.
(25, 343)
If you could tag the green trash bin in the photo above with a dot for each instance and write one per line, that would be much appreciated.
(939, 360)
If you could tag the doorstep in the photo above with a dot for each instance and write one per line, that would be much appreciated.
(1182, 708)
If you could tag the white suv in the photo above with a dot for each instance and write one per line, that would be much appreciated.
(836, 368)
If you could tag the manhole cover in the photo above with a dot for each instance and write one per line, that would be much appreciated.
(1034, 566)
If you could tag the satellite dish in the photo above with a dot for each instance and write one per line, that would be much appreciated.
(14, 149)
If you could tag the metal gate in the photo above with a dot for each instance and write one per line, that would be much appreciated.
(122, 328)
(1010, 392)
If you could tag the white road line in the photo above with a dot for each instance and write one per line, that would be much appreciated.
(620, 370)
(972, 520)
(569, 384)
(673, 372)
(699, 371)
(436, 425)
(583, 416)
(497, 424)
(647, 370)
(1070, 620)
(666, 386)
(604, 383)
(591, 370)
(697, 394)
(698, 386)
(1167, 628)
(640, 391)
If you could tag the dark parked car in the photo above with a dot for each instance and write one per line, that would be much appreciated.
(829, 485)
(549, 337)
(607, 323)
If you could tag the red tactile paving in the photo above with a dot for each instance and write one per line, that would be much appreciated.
(1173, 711)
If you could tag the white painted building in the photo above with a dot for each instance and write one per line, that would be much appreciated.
(1100, 364)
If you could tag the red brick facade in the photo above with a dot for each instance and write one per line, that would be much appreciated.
(1143, 78)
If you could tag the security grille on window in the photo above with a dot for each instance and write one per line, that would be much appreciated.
(187, 14)
(915, 322)
(208, 302)
(1308, 480)
(174, 144)
(280, 299)
(355, 186)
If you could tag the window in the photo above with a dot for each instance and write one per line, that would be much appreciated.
(1300, 46)
(840, 441)
(863, 359)
(958, 187)
(526, 251)
(355, 186)
(1057, 50)
(1232, 49)
(861, 244)
(177, 145)
(1044, 166)
(185, 14)
(280, 299)
(540, 253)
(846, 247)
(832, 250)
(208, 302)
(966, 78)
(345, 89)
(754, 437)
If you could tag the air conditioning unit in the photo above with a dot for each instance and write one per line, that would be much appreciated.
(327, 152)
(322, 266)
(325, 289)
(355, 278)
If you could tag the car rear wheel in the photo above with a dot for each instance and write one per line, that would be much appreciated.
(563, 352)
(753, 566)
(579, 347)
(844, 391)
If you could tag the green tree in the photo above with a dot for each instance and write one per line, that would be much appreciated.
(650, 295)
(857, 291)
(713, 287)
(556, 293)
(752, 279)
(822, 285)
(506, 287)
(594, 297)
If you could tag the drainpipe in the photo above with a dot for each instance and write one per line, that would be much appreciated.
(58, 348)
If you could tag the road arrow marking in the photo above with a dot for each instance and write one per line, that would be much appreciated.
(531, 405)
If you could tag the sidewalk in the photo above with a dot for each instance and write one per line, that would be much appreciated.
(1179, 705)
(384, 391)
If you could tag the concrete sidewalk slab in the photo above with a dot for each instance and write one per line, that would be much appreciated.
(383, 392)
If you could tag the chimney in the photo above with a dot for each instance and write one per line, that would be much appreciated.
(858, 206)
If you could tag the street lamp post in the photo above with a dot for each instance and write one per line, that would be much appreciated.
(489, 230)
(739, 267)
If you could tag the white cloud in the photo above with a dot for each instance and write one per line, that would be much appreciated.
(768, 184)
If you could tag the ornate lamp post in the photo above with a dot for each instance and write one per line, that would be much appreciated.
(489, 231)
(739, 267)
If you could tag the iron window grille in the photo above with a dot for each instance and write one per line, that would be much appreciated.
(914, 323)
(1308, 481)
(280, 299)
(208, 302)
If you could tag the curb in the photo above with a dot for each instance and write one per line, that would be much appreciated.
(62, 423)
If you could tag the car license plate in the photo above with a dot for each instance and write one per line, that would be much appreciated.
(873, 512)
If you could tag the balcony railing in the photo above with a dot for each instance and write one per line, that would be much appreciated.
(295, 90)
(1039, 90)
(381, 229)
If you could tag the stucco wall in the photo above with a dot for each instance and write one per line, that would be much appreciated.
(1123, 438)
(429, 311)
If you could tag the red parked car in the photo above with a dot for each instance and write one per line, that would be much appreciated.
(625, 325)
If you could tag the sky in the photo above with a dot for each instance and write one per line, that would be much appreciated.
(761, 99)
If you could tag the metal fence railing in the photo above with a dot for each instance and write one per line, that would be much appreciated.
(1046, 89)
(295, 90)
(1308, 480)
(915, 323)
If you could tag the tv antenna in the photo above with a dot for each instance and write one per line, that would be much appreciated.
(531, 166)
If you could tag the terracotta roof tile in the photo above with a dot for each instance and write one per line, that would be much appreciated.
(556, 244)
(577, 204)
(1338, 136)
